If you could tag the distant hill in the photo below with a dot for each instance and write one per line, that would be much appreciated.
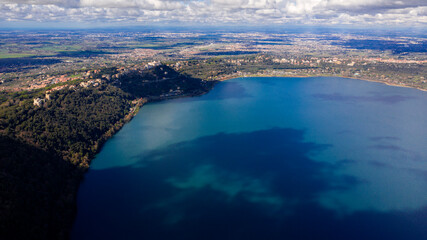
(154, 82)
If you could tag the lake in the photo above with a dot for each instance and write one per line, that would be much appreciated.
(265, 158)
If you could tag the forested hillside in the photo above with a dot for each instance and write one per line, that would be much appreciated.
(47, 139)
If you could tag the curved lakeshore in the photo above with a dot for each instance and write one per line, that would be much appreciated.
(339, 76)
(258, 156)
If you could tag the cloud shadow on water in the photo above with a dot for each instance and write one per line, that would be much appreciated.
(256, 185)
(384, 138)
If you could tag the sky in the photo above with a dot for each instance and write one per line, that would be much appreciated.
(213, 12)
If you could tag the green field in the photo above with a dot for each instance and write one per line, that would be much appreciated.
(16, 55)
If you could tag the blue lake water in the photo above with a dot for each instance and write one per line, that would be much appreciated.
(265, 158)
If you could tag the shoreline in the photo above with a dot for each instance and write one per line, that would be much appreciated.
(142, 101)
(306, 76)
(138, 104)
(115, 129)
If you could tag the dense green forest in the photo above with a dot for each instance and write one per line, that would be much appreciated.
(46, 148)
(70, 122)
(44, 153)
(36, 192)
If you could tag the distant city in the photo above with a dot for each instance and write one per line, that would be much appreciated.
(45, 58)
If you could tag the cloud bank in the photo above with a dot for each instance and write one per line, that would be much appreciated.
(372, 12)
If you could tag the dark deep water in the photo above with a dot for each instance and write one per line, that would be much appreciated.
(265, 158)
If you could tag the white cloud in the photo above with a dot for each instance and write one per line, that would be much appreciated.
(408, 12)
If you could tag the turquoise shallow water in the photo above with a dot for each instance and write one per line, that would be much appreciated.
(265, 158)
